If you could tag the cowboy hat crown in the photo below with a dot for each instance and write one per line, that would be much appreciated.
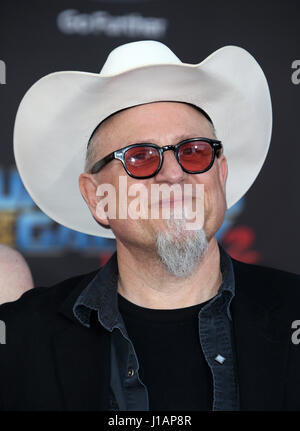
(136, 54)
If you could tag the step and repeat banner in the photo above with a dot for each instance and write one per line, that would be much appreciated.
(40, 37)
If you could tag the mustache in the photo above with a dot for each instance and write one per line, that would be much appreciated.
(173, 199)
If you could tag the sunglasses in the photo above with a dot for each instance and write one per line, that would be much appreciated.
(195, 156)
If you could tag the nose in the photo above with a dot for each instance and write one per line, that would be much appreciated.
(170, 171)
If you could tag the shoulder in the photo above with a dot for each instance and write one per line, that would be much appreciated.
(258, 271)
(264, 273)
(262, 280)
(41, 302)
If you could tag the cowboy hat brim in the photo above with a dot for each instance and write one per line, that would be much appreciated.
(59, 112)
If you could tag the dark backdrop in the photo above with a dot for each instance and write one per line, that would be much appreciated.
(40, 37)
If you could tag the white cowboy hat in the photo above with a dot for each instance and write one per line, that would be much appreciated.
(59, 112)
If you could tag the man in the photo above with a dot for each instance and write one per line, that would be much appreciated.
(15, 275)
(171, 322)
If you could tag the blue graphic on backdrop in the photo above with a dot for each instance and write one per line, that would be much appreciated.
(26, 227)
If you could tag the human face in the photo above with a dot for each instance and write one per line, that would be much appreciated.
(160, 123)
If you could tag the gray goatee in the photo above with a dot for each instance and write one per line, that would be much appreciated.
(181, 250)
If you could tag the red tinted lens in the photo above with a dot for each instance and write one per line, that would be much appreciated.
(195, 155)
(142, 161)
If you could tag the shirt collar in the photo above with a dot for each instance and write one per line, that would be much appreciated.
(101, 293)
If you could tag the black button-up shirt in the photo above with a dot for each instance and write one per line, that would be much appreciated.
(128, 392)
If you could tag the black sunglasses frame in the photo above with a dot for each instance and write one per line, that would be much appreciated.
(120, 154)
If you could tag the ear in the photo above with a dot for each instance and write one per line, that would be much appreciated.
(88, 188)
(223, 170)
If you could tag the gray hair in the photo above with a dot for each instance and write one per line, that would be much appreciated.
(91, 155)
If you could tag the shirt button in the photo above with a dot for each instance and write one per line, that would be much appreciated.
(130, 372)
